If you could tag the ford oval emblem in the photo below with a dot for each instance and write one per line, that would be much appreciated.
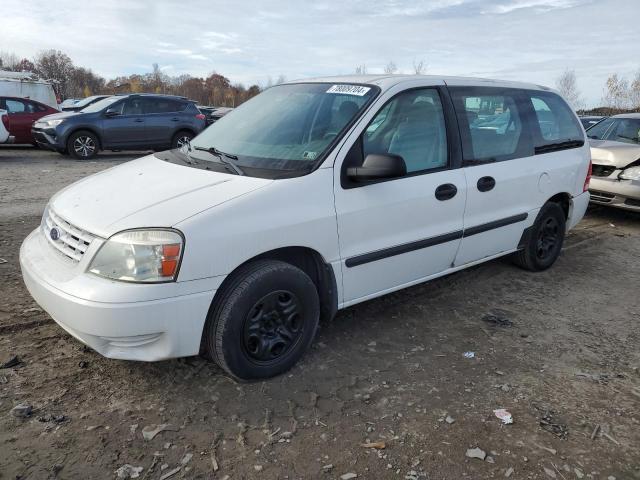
(54, 233)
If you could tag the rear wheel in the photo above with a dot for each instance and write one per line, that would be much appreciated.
(181, 139)
(82, 145)
(544, 241)
(263, 320)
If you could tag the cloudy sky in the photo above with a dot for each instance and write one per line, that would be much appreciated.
(252, 40)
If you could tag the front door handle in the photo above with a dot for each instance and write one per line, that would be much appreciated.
(174, 119)
(138, 120)
(446, 191)
(486, 183)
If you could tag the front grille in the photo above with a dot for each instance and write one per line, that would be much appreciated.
(633, 202)
(602, 170)
(71, 241)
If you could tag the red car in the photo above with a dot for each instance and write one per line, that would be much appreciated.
(22, 112)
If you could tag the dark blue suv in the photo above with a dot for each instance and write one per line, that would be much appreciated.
(121, 122)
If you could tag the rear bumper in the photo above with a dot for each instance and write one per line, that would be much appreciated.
(609, 191)
(579, 205)
(147, 330)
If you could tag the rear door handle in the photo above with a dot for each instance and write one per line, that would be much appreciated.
(174, 119)
(138, 120)
(446, 191)
(486, 183)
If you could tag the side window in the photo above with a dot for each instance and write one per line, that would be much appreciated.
(491, 123)
(161, 105)
(15, 106)
(133, 106)
(599, 130)
(555, 119)
(412, 126)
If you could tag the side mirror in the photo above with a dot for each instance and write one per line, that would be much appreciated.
(377, 167)
(111, 112)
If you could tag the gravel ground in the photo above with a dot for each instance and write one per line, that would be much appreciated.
(385, 391)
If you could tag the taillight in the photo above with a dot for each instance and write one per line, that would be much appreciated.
(200, 116)
(5, 121)
(587, 180)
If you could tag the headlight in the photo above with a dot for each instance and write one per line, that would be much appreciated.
(632, 173)
(144, 256)
(48, 123)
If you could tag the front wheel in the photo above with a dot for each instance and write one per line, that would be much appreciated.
(263, 320)
(82, 145)
(545, 239)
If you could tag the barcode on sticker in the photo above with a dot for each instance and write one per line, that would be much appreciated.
(349, 89)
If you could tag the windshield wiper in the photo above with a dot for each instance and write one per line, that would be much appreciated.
(634, 139)
(221, 156)
(554, 147)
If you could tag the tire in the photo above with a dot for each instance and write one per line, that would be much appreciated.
(544, 240)
(262, 321)
(181, 138)
(83, 145)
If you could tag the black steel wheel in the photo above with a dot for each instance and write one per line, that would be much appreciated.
(543, 240)
(272, 327)
(262, 320)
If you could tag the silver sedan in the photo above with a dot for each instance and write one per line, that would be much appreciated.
(615, 153)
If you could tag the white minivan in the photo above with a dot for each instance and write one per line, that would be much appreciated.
(311, 197)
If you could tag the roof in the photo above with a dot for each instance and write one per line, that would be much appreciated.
(9, 76)
(387, 81)
(176, 97)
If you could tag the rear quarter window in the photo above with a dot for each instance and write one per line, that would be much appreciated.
(555, 119)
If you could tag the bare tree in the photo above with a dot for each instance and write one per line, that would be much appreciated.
(57, 67)
(390, 68)
(361, 69)
(634, 92)
(8, 61)
(568, 87)
(419, 68)
(617, 94)
(281, 79)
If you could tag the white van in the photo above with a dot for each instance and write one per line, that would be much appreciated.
(311, 197)
(26, 85)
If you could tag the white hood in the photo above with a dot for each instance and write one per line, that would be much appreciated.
(147, 192)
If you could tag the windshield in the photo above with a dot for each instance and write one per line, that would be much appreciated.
(287, 127)
(100, 104)
(86, 101)
(626, 130)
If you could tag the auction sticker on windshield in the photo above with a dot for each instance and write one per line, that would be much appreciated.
(349, 89)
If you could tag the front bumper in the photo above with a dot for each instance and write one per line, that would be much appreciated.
(610, 191)
(136, 329)
(47, 138)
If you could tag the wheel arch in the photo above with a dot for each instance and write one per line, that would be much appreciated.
(83, 128)
(564, 200)
(309, 261)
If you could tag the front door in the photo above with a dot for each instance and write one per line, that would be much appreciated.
(397, 232)
(21, 116)
(127, 129)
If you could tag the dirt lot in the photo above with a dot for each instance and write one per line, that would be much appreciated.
(561, 354)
